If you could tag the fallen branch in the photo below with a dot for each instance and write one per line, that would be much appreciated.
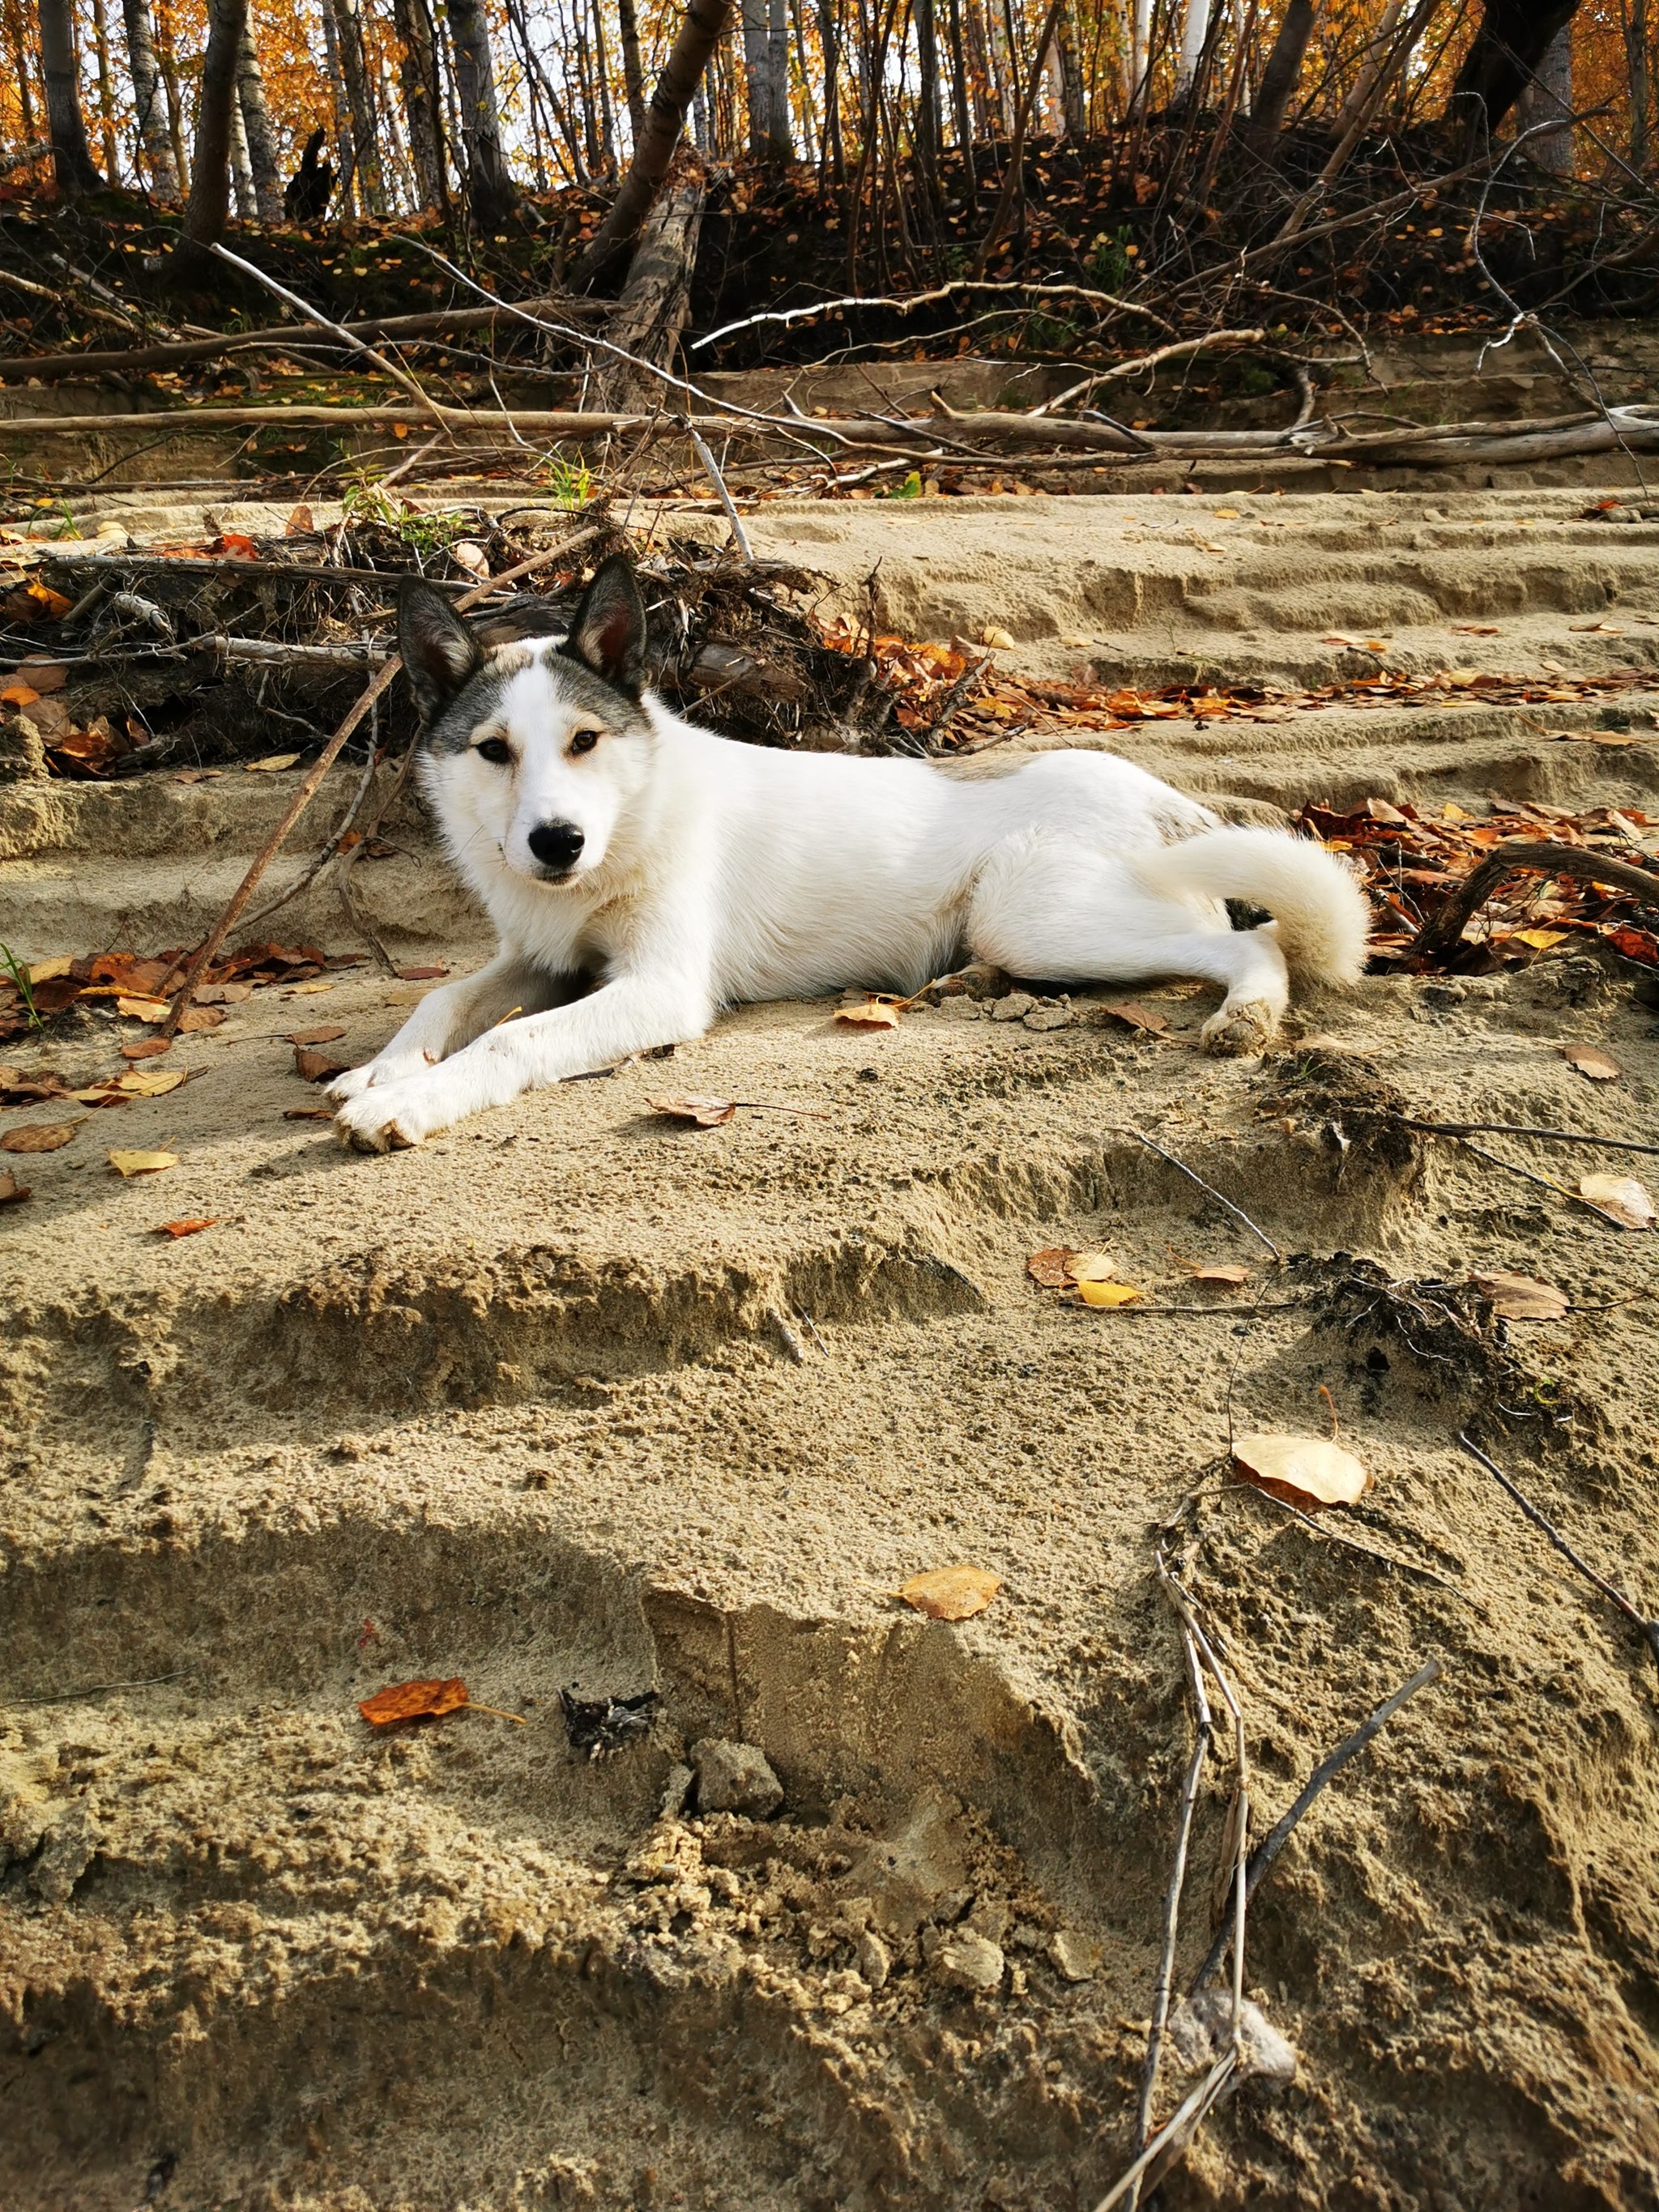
(1510, 1129)
(1650, 1629)
(787, 317)
(1209, 1191)
(1182, 351)
(1440, 936)
(1544, 1181)
(377, 685)
(1326, 1772)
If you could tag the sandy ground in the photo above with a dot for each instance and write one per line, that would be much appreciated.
(576, 1396)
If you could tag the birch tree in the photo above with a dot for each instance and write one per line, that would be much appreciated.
(150, 101)
(72, 156)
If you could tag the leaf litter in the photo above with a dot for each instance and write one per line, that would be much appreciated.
(951, 1593)
(1305, 1471)
(426, 1700)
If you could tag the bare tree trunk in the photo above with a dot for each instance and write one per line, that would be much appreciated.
(488, 187)
(106, 89)
(257, 128)
(417, 69)
(1283, 72)
(633, 71)
(779, 133)
(241, 173)
(360, 98)
(1073, 99)
(1548, 100)
(1641, 86)
(829, 44)
(960, 101)
(72, 156)
(1194, 29)
(346, 140)
(1501, 59)
(148, 102)
(757, 82)
(20, 63)
(927, 132)
(209, 204)
(656, 304)
(705, 24)
(168, 61)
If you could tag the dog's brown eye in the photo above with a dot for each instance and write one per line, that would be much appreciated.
(584, 741)
(495, 751)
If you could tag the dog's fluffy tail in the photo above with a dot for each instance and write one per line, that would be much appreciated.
(1323, 917)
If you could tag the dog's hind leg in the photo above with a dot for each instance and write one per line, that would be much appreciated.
(451, 1017)
(1053, 909)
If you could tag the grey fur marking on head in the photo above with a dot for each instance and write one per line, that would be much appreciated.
(480, 701)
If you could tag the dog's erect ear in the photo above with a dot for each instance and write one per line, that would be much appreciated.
(439, 652)
(608, 632)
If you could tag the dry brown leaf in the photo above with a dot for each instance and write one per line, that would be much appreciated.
(149, 1082)
(185, 1228)
(39, 1137)
(1589, 1060)
(45, 675)
(1627, 1200)
(1540, 940)
(422, 975)
(1137, 1017)
(223, 995)
(300, 523)
(1605, 629)
(12, 1193)
(146, 1049)
(48, 971)
(951, 1593)
(1521, 1297)
(707, 1112)
(143, 1010)
(133, 1163)
(411, 1701)
(272, 764)
(314, 1036)
(308, 1113)
(1308, 1471)
(316, 1067)
(1051, 1267)
(1001, 640)
(195, 1019)
(1229, 1272)
(871, 1013)
(1107, 1294)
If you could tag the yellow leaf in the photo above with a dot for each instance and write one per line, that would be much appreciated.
(1540, 940)
(1623, 1196)
(151, 1082)
(271, 763)
(870, 1014)
(48, 971)
(142, 1010)
(133, 1163)
(991, 635)
(1306, 1470)
(951, 1593)
(1107, 1294)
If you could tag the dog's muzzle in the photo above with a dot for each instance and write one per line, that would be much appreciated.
(556, 846)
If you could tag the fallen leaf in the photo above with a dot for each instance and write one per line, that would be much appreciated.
(143, 1010)
(39, 1137)
(234, 543)
(1308, 1471)
(54, 602)
(48, 971)
(44, 675)
(421, 975)
(12, 1193)
(1623, 1196)
(223, 995)
(308, 1113)
(18, 694)
(1541, 940)
(1521, 1297)
(198, 776)
(409, 1701)
(951, 1593)
(272, 764)
(316, 1067)
(313, 1037)
(1604, 628)
(133, 1163)
(1475, 629)
(1051, 1267)
(195, 1019)
(1137, 1017)
(1094, 1293)
(306, 990)
(471, 555)
(147, 1049)
(991, 635)
(1230, 1273)
(1590, 1060)
(150, 1082)
(187, 1228)
(1226, 514)
(300, 523)
(707, 1112)
(870, 1014)
(1092, 1267)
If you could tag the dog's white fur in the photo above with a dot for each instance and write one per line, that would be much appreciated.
(715, 872)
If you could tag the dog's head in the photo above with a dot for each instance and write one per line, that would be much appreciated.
(533, 750)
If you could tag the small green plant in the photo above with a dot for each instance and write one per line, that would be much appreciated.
(571, 483)
(20, 976)
(368, 501)
(908, 487)
(1109, 258)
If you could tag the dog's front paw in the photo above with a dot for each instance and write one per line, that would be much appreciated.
(1249, 1027)
(390, 1117)
(373, 1075)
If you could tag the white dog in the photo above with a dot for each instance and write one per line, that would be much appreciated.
(641, 873)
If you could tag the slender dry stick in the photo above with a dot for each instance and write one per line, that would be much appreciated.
(378, 684)
(1650, 1628)
(1349, 1543)
(1210, 1190)
(1187, 346)
(1514, 1129)
(1544, 1183)
(740, 535)
(1279, 1835)
(1173, 2136)
(787, 317)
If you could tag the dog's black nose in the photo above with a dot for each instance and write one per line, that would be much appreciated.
(556, 845)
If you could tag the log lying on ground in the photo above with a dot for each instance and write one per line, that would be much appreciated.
(656, 304)
(980, 438)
